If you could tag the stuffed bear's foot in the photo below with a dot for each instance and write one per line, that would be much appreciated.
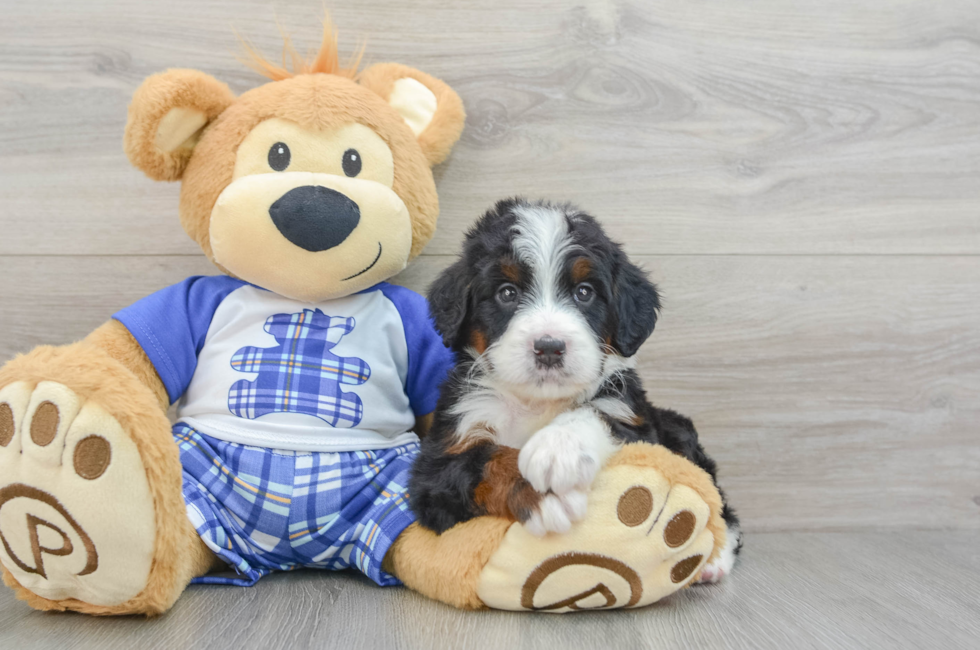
(652, 524)
(91, 514)
(76, 515)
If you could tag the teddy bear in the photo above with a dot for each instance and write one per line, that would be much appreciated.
(302, 380)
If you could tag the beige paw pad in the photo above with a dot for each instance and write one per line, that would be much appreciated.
(76, 515)
(641, 540)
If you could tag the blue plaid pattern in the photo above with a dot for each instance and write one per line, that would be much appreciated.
(301, 375)
(266, 510)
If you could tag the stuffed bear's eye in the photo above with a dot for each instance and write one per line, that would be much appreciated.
(279, 156)
(584, 293)
(508, 294)
(352, 162)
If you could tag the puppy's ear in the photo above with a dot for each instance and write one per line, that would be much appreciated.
(168, 112)
(635, 306)
(449, 298)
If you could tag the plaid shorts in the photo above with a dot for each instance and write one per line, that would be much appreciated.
(262, 510)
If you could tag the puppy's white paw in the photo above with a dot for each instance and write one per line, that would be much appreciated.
(576, 504)
(712, 573)
(556, 460)
(555, 514)
(722, 565)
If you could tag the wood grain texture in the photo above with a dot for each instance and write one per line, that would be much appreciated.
(790, 590)
(801, 180)
(835, 392)
(752, 127)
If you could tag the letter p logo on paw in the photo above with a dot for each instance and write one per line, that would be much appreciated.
(18, 505)
(76, 513)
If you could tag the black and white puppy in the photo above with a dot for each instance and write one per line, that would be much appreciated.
(545, 314)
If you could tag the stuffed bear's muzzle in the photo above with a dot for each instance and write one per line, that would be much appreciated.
(310, 236)
(314, 217)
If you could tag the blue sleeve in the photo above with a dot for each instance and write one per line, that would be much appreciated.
(429, 361)
(171, 324)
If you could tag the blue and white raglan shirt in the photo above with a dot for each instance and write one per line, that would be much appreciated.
(251, 367)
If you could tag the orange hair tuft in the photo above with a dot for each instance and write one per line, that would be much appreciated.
(325, 61)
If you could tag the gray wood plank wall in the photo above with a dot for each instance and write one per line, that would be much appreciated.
(801, 179)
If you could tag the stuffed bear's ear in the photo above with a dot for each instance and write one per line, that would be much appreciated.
(431, 109)
(168, 112)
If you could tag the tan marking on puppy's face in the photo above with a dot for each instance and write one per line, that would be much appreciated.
(311, 214)
(510, 270)
(581, 269)
(478, 339)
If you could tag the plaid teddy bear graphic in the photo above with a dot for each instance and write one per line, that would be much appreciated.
(301, 375)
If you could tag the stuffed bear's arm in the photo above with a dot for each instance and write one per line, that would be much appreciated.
(115, 340)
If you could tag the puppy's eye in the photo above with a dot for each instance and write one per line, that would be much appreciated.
(584, 293)
(352, 163)
(508, 294)
(279, 156)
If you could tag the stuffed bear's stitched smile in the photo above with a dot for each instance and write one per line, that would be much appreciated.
(369, 267)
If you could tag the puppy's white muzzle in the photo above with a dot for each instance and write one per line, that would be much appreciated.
(547, 352)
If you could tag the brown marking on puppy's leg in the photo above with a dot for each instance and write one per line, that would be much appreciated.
(498, 479)
(503, 492)
(523, 500)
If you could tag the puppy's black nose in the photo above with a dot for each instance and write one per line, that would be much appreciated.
(315, 218)
(548, 351)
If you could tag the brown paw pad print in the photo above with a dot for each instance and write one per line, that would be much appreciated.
(31, 514)
(73, 492)
(635, 507)
(6, 425)
(90, 459)
(614, 583)
(92, 454)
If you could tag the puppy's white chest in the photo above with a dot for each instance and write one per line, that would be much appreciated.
(510, 421)
(517, 422)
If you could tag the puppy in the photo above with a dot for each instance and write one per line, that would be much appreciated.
(545, 314)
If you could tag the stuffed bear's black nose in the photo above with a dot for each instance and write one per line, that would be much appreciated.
(548, 351)
(315, 218)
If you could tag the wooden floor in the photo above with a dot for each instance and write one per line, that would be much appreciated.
(792, 591)
(801, 179)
